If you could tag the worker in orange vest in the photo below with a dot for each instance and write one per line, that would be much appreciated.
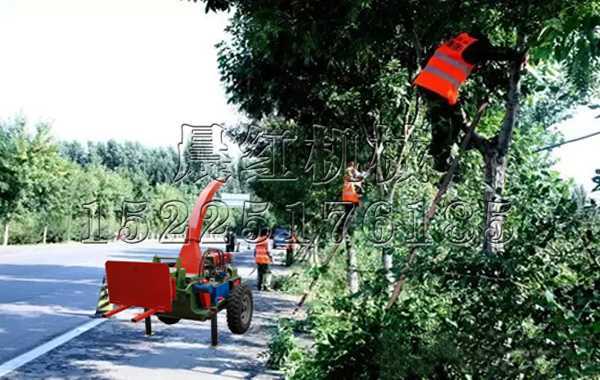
(351, 199)
(440, 80)
(290, 248)
(349, 193)
(263, 260)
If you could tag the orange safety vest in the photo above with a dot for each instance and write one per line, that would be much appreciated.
(349, 194)
(446, 70)
(262, 252)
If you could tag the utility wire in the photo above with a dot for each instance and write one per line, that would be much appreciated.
(566, 142)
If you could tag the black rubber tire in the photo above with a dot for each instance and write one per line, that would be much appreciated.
(168, 320)
(239, 309)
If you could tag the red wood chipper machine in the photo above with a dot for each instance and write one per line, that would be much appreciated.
(196, 286)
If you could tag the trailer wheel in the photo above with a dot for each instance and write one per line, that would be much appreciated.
(168, 320)
(239, 309)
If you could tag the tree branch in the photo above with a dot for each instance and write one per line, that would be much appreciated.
(496, 164)
(512, 109)
(326, 263)
(443, 188)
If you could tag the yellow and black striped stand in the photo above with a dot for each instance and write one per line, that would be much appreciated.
(103, 304)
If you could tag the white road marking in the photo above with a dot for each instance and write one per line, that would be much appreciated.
(49, 280)
(25, 358)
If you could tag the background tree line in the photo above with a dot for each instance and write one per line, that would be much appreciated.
(45, 185)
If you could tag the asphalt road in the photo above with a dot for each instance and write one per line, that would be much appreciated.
(46, 291)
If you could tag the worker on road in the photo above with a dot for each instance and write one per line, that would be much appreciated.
(439, 83)
(263, 261)
(290, 248)
(229, 240)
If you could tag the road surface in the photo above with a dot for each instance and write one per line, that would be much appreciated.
(46, 291)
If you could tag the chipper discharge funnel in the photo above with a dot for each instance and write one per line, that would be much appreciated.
(197, 286)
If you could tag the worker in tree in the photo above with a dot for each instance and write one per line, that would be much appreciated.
(350, 197)
(263, 260)
(439, 83)
(356, 177)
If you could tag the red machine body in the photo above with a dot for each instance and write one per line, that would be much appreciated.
(130, 285)
(150, 285)
(190, 254)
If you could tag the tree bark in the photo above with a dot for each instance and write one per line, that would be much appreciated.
(352, 268)
(6, 228)
(387, 262)
(496, 164)
(45, 234)
(314, 254)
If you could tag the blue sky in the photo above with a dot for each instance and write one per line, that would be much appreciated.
(138, 69)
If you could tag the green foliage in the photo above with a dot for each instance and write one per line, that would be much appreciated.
(530, 314)
(55, 187)
(10, 181)
(290, 59)
(39, 189)
(287, 283)
(152, 165)
(572, 37)
(349, 65)
(282, 345)
(216, 5)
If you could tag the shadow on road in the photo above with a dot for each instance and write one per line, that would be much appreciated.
(118, 349)
(39, 302)
(38, 298)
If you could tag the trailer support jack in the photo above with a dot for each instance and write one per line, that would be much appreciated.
(148, 323)
(214, 332)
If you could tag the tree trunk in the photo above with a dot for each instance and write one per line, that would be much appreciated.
(313, 253)
(387, 258)
(6, 234)
(496, 164)
(495, 174)
(45, 234)
(352, 268)
(315, 250)
(69, 221)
